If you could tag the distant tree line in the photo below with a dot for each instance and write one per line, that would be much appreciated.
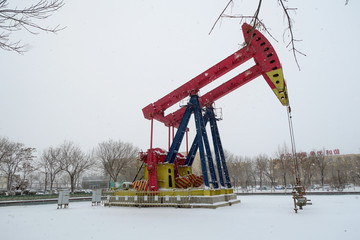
(64, 165)
(315, 168)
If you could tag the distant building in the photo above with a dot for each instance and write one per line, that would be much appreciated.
(344, 158)
(96, 182)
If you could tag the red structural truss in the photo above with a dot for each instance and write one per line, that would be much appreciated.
(267, 64)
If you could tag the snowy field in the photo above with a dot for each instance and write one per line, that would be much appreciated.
(256, 217)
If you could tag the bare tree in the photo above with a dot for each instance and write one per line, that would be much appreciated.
(340, 172)
(51, 162)
(26, 170)
(14, 19)
(12, 157)
(130, 170)
(241, 170)
(4, 142)
(261, 165)
(307, 167)
(249, 173)
(283, 161)
(270, 172)
(322, 164)
(115, 156)
(74, 162)
(234, 166)
(355, 169)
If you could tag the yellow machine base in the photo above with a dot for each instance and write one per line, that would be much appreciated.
(191, 198)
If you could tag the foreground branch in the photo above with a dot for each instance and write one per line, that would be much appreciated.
(257, 23)
(289, 29)
(16, 19)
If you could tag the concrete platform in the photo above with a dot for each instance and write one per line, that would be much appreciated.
(179, 199)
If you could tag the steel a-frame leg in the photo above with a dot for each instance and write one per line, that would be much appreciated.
(203, 141)
(219, 152)
(174, 148)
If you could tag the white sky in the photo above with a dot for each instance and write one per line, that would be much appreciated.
(90, 82)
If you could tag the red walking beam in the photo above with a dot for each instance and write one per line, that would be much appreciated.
(267, 65)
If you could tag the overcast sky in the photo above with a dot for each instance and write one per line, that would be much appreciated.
(89, 83)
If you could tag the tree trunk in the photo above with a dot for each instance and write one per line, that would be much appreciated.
(46, 180)
(322, 179)
(51, 186)
(9, 182)
(284, 178)
(72, 183)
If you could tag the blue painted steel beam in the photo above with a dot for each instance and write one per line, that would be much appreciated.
(217, 141)
(211, 116)
(170, 158)
(204, 142)
(200, 144)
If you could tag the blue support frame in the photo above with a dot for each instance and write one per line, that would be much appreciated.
(222, 169)
(201, 141)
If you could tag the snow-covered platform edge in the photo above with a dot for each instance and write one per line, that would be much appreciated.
(173, 201)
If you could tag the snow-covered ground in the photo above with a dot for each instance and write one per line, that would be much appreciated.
(256, 217)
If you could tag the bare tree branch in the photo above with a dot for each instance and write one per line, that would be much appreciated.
(254, 22)
(14, 19)
(220, 16)
(257, 23)
(289, 29)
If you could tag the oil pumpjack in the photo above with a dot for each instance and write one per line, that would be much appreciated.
(169, 173)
